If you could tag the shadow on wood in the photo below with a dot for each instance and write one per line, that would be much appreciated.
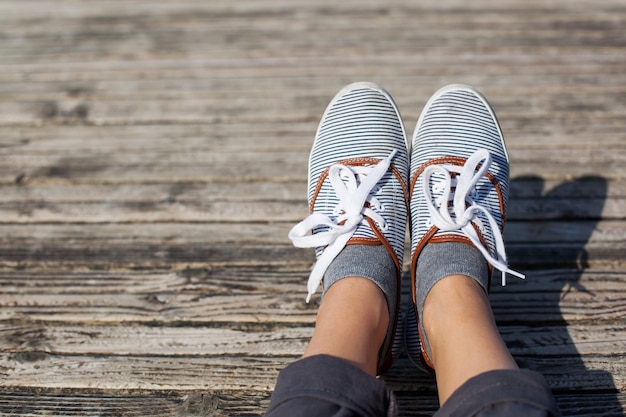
(565, 359)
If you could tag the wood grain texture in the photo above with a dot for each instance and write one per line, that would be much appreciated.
(153, 158)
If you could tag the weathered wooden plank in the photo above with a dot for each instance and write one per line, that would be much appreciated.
(176, 209)
(232, 279)
(175, 202)
(279, 9)
(31, 242)
(22, 237)
(85, 253)
(77, 403)
(603, 404)
(165, 205)
(556, 232)
(147, 211)
(175, 155)
(249, 109)
(315, 65)
(268, 297)
(557, 341)
(226, 403)
(270, 165)
(82, 42)
(158, 167)
(39, 370)
(74, 140)
(157, 80)
(270, 7)
(524, 190)
(90, 37)
(587, 198)
(163, 309)
(185, 193)
(148, 245)
(62, 405)
(534, 112)
(573, 374)
(575, 404)
(140, 340)
(210, 280)
(208, 234)
(100, 105)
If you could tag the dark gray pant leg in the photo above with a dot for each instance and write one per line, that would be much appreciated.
(503, 393)
(327, 386)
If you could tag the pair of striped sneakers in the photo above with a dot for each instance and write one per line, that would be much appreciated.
(366, 182)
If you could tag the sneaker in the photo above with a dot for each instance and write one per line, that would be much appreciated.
(459, 189)
(358, 186)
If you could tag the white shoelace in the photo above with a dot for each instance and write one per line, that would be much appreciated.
(463, 216)
(354, 186)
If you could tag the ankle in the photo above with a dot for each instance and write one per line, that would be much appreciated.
(356, 309)
(454, 302)
(358, 298)
(462, 333)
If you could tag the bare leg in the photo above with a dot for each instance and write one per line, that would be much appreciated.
(351, 323)
(462, 332)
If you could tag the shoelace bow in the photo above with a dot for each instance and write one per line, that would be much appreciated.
(464, 188)
(353, 186)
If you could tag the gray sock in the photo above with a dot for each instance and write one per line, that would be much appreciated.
(437, 261)
(373, 263)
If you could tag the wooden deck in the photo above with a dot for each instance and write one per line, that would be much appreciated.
(153, 157)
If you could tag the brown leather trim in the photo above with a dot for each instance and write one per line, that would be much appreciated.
(436, 161)
(380, 237)
(454, 160)
(369, 241)
(318, 187)
(359, 162)
(450, 238)
(385, 242)
(428, 363)
(420, 246)
(384, 358)
(429, 237)
(418, 249)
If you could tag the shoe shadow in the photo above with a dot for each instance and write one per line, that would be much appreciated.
(547, 238)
